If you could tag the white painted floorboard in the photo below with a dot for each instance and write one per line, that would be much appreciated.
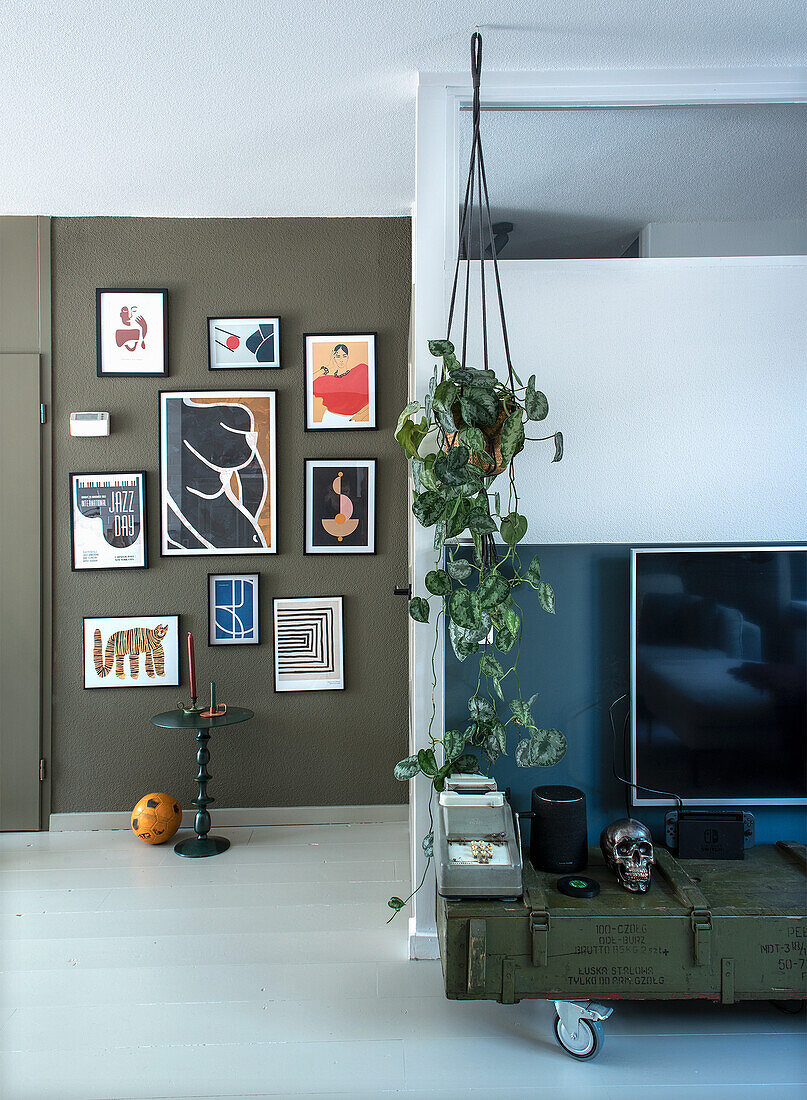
(270, 972)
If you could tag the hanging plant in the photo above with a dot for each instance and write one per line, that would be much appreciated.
(465, 433)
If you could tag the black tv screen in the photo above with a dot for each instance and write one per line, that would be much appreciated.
(719, 676)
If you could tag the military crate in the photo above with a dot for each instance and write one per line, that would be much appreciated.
(726, 930)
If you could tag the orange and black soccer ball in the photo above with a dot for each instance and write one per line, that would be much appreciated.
(156, 818)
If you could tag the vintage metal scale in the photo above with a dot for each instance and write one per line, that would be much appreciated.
(477, 849)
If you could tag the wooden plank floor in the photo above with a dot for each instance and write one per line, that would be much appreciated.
(269, 972)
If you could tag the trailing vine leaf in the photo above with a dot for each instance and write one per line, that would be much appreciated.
(481, 710)
(427, 762)
(512, 620)
(521, 712)
(491, 667)
(536, 405)
(493, 589)
(428, 507)
(427, 844)
(513, 528)
(459, 569)
(546, 597)
(462, 645)
(464, 608)
(490, 747)
(406, 769)
(505, 640)
(453, 744)
(452, 468)
(558, 447)
(474, 440)
(457, 523)
(396, 903)
(499, 733)
(548, 747)
(445, 394)
(466, 764)
(411, 435)
(524, 753)
(427, 473)
(441, 347)
(472, 376)
(481, 521)
(413, 406)
(478, 406)
(419, 609)
(438, 582)
(533, 574)
(439, 533)
(512, 439)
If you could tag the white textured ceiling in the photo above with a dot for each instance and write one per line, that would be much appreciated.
(584, 182)
(262, 108)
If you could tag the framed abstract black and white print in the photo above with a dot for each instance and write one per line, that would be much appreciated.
(108, 521)
(131, 332)
(236, 343)
(340, 506)
(131, 651)
(309, 652)
(232, 609)
(217, 472)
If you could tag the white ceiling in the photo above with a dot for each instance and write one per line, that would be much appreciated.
(263, 108)
(584, 182)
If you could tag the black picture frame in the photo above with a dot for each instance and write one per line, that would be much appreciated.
(142, 681)
(244, 366)
(374, 387)
(142, 475)
(257, 639)
(100, 372)
(371, 512)
(272, 471)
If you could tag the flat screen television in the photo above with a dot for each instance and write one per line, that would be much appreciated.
(719, 675)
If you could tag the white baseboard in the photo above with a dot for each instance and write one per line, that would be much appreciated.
(422, 945)
(223, 818)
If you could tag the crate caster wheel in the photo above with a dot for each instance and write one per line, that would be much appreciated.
(578, 1028)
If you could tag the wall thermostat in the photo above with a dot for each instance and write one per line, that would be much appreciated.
(89, 423)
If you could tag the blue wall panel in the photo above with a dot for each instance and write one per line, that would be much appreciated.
(578, 660)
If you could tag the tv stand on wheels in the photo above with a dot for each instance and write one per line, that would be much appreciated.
(727, 931)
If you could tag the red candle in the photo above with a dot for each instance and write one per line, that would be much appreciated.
(191, 666)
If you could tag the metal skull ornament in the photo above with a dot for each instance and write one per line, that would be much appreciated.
(628, 850)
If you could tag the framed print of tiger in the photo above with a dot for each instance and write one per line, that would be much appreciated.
(132, 651)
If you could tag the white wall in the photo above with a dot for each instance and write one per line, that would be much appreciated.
(681, 389)
(778, 237)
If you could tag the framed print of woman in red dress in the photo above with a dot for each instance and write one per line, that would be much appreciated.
(339, 381)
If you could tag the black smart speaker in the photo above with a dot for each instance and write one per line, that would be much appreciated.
(558, 835)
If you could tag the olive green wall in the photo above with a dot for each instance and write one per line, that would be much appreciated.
(301, 749)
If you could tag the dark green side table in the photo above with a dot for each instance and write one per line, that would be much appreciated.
(196, 847)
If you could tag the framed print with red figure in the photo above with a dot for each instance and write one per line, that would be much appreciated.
(340, 387)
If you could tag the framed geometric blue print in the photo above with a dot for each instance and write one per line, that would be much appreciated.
(232, 603)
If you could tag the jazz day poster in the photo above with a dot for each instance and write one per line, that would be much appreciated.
(108, 525)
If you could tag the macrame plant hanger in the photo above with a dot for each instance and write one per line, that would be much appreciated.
(476, 207)
(476, 215)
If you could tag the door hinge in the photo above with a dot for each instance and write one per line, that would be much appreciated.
(43, 413)
(43, 769)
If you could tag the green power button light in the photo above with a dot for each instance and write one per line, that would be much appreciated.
(575, 886)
